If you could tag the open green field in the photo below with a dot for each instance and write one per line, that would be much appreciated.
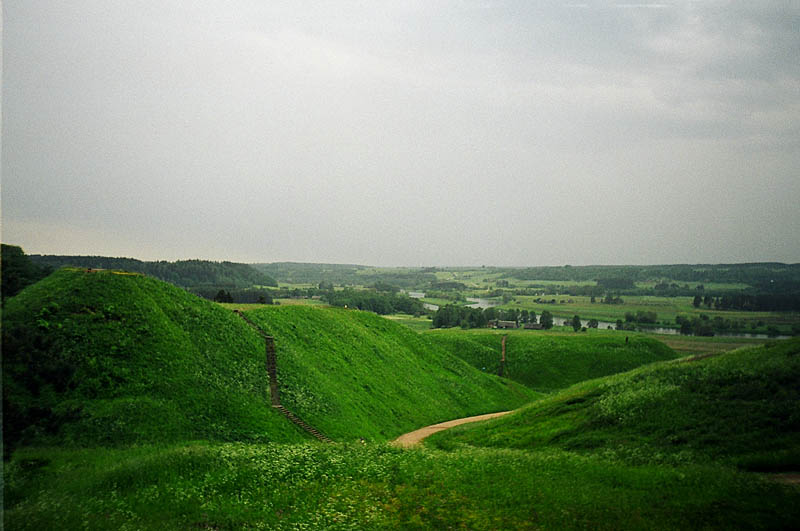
(667, 308)
(418, 324)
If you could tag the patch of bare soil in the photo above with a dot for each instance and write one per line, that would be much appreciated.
(416, 436)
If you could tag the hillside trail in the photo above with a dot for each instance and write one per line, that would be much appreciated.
(415, 437)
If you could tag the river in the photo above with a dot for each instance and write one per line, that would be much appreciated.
(421, 295)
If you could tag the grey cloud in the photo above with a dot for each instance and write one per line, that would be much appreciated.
(412, 133)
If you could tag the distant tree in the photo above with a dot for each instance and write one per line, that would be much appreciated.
(593, 323)
(593, 299)
(619, 324)
(386, 287)
(223, 296)
(697, 301)
(546, 320)
(576, 323)
(646, 317)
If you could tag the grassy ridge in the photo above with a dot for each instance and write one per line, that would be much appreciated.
(107, 358)
(551, 361)
(356, 374)
(739, 407)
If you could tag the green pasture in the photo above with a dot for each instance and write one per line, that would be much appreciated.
(418, 324)
(667, 309)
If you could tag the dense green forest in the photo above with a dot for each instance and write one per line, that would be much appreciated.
(346, 275)
(374, 301)
(184, 273)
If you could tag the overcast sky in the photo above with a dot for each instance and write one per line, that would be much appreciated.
(403, 133)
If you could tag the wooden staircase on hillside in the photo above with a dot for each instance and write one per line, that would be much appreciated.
(298, 421)
(272, 372)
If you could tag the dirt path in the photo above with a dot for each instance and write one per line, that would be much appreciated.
(414, 437)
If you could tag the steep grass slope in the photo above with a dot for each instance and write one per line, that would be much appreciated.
(739, 407)
(551, 361)
(115, 358)
(355, 374)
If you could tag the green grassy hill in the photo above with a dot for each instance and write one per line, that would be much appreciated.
(117, 358)
(550, 361)
(184, 273)
(356, 374)
(739, 407)
(113, 358)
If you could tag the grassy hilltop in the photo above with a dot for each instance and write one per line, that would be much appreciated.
(551, 361)
(356, 374)
(117, 358)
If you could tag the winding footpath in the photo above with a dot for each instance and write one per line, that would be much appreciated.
(415, 437)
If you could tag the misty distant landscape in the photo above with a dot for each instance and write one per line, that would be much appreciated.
(417, 265)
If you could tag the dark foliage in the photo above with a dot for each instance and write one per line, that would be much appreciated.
(18, 270)
(374, 301)
(184, 273)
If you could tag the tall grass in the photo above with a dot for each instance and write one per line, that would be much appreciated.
(313, 486)
(739, 408)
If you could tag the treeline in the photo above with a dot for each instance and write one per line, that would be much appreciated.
(762, 302)
(453, 315)
(183, 273)
(703, 325)
(18, 270)
(346, 274)
(382, 303)
(242, 296)
(754, 274)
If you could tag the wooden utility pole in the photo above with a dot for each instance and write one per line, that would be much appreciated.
(503, 358)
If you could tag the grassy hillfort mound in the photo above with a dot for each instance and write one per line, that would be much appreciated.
(106, 357)
(355, 374)
(553, 361)
(739, 407)
(113, 358)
